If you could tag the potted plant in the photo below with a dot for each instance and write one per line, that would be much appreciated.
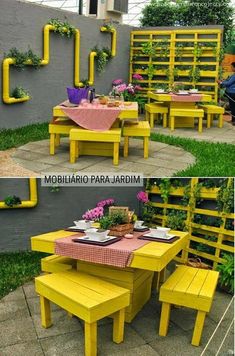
(161, 88)
(226, 270)
(12, 200)
(120, 225)
(179, 88)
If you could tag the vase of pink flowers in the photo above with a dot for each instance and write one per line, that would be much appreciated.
(129, 92)
(99, 211)
(143, 199)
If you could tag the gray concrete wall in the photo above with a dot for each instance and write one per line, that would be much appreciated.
(21, 26)
(54, 210)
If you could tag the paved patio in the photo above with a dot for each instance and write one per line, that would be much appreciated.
(164, 160)
(22, 335)
(213, 134)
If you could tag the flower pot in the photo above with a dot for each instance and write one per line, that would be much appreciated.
(121, 230)
(75, 95)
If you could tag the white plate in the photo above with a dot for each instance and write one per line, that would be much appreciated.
(76, 228)
(142, 227)
(182, 93)
(108, 238)
(167, 237)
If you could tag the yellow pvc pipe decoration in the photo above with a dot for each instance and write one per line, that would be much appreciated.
(33, 197)
(113, 32)
(7, 99)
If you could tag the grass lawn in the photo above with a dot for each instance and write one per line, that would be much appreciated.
(212, 159)
(16, 268)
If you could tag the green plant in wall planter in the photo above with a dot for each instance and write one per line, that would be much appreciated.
(197, 51)
(225, 198)
(194, 75)
(21, 58)
(149, 49)
(62, 28)
(165, 188)
(164, 48)
(179, 50)
(176, 220)
(19, 92)
(226, 273)
(12, 200)
(102, 57)
(150, 71)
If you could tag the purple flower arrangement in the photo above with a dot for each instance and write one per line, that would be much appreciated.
(142, 197)
(99, 211)
(128, 91)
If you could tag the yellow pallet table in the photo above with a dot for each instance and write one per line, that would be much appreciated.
(137, 281)
(140, 129)
(192, 288)
(153, 110)
(86, 297)
(55, 263)
(211, 112)
(77, 136)
(57, 129)
(191, 113)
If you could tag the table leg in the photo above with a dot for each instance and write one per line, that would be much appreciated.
(116, 153)
(146, 147)
(126, 146)
(52, 144)
(72, 151)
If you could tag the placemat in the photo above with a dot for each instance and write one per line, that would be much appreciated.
(155, 239)
(98, 243)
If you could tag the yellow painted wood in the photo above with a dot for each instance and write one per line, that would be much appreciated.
(45, 312)
(80, 135)
(165, 317)
(153, 110)
(113, 32)
(180, 112)
(46, 242)
(90, 339)
(137, 281)
(211, 111)
(55, 263)
(189, 287)
(197, 332)
(140, 129)
(118, 329)
(87, 297)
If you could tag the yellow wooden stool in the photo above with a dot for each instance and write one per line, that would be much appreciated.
(139, 129)
(87, 297)
(153, 110)
(189, 287)
(211, 111)
(55, 130)
(178, 112)
(80, 135)
(55, 263)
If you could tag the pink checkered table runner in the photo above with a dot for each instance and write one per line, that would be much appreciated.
(118, 254)
(189, 98)
(94, 117)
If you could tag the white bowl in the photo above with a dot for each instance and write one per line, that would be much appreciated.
(153, 232)
(193, 90)
(182, 92)
(162, 231)
(160, 91)
(138, 223)
(95, 235)
(83, 224)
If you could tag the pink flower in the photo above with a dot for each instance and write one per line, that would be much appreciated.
(142, 196)
(117, 81)
(93, 214)
(137, 77)
(121, 88)
(138, 87)
(105, 202)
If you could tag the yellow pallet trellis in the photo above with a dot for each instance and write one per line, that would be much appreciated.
(209, 56)
(221, 233)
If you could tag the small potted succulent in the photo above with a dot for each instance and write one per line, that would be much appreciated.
(161, 88)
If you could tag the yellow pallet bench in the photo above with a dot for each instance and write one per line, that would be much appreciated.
(55, 263)
(192, 288)
(80, 135)
(57, 129)
(86, 297)
(178, 112)
(211, 111)
(140, 129)
(152, 112)
(137, 281)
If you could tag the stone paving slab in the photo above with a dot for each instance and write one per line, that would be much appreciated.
(30, 348)
(69, 344)
(33, 157)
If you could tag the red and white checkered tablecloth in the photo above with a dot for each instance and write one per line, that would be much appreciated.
(118, 254)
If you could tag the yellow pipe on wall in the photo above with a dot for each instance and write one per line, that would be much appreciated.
(92, 67)
(113, 32)
(33, 197)
(7, 99)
